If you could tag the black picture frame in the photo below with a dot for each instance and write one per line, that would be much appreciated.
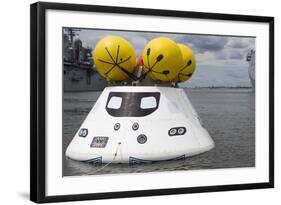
(38, 103)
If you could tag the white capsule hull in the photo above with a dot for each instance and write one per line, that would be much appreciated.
(132, 124)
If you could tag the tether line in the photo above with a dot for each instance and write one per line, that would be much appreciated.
(110, 55)
(103, 61)
(115, 155)
(110, 70)
(117, 53)
(125, 60)
(115, 63)
(187, 65)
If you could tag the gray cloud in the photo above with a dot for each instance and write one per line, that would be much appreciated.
(206, 48)
(237, 55)
(204, 43)
(240, 42)
(230, 53)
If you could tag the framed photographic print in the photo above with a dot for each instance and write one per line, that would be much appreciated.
(129, 102)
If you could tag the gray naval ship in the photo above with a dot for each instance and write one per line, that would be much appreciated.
(79, 72)
(251, 58)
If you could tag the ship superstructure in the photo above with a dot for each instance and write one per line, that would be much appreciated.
(79, 73)
(251, 58)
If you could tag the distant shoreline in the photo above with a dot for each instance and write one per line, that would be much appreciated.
(217, 87)
(186, 88)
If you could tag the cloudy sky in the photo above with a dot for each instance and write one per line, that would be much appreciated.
(221, 60)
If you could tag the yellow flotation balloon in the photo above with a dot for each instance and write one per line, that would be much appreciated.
(114, 58)
(189, 64)
(162, 59)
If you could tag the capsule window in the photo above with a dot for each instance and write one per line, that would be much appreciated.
(148, 102)
(133, 104)
(115, 102)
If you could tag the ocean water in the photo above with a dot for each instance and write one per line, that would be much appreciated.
(227, 114)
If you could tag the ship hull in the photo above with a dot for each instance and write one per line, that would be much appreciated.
(81, 77)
